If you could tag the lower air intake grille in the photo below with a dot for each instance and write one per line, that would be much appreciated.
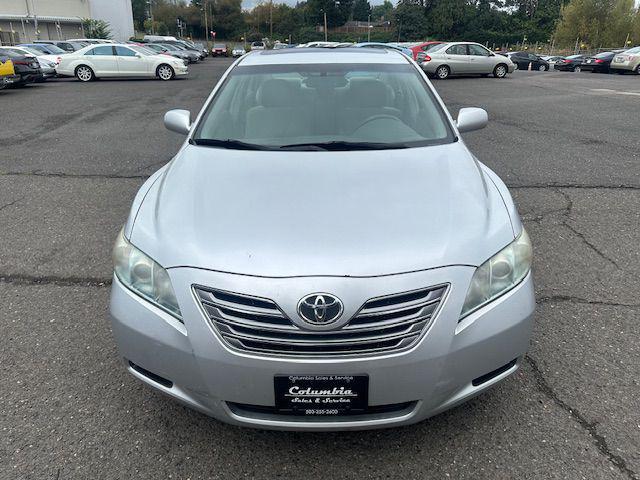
(382, 325)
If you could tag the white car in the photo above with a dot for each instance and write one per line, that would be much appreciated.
(119, 60)
(32, 52)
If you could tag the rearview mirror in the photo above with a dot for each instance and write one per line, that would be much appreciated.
(178, 121)
(472, 118)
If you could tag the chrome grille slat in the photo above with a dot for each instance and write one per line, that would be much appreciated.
(403, 343)
(300, 340)
(383, 324)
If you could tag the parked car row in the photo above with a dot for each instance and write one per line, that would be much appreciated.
(38, 61)
(615, 61)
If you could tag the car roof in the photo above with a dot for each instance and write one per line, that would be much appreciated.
(323, 55)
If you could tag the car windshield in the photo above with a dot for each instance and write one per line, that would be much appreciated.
(633, 50)
(29, 51)
(435, 47)
(53, 49)
(141, 50)
(323, 107)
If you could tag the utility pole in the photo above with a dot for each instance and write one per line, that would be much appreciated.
(271, 19)
(206, 22)
(151, 16)
(369, 28)
(325, 25)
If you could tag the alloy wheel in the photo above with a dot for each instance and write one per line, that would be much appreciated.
(577, 69)
(442, 72)
(501, 71)
(84, 74)
(165, 72)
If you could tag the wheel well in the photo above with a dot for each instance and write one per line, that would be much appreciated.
(75, 70)
(163, 65)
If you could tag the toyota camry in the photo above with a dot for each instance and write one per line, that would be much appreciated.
(323, 252)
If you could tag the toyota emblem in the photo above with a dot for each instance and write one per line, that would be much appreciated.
(320, 308)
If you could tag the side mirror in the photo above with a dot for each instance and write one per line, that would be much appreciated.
(470, 119)
(178, 121)
(138, 55)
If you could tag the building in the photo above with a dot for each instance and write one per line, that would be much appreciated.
(28, 20)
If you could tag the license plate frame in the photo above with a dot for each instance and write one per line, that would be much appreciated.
(321, 395)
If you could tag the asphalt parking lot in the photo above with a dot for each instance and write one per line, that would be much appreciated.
(71, 159)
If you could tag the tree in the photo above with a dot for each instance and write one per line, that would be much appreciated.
(382, 12)
(361, 10)
(411, 23)
(228, 20)
(139, 8)
(96, 28)
(596, 23)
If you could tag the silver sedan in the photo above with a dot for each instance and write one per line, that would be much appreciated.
(465, 58)
(324, 252)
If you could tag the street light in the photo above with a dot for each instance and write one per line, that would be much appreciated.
(324, 12)
(369, 27)
(151, 17)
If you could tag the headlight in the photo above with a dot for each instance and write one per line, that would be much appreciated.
(144, 276)
(499, 274)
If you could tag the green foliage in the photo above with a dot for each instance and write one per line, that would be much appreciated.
(96, 28)
(382, 12)
(492, 22)
(361, 10)
(411, 22)
(597, 23)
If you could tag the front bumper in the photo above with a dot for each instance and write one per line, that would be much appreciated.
(181, 70)
(190, 363)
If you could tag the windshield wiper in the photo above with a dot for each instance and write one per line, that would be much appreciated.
(338, 145)
(229, 143)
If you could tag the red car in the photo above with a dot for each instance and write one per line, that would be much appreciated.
(421, 47)
(219, 49)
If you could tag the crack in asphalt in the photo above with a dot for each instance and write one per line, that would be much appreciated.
(573, 299)
(584, 186)
(590, 427)
(593, 247)
(22, 279)
(38, 173)
(6, 205)
(568, 210)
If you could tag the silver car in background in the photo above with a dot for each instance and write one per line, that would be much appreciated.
(323, 252)
(464, 58)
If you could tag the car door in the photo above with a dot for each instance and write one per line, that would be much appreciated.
(520, 60)
(535, 61)
(130, 64)
(457, 58)
(480, 59)
(103, 61)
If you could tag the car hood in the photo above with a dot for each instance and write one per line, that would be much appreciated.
(359, 213)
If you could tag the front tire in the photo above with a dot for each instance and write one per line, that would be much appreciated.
(577, 69)
(165, 72)
(442, 72)
(84, 73)
(638, 69)
(500, 71)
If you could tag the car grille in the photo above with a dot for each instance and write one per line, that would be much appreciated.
(383, 324)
